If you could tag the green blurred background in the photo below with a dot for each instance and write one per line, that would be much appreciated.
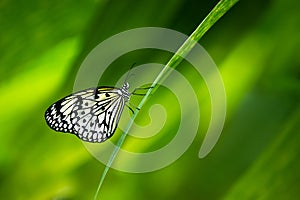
(256, 46)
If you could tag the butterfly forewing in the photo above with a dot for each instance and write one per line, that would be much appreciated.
(91, 114)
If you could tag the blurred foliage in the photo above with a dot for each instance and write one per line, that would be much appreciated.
(256, 47)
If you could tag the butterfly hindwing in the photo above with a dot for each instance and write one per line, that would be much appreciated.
(91, 114)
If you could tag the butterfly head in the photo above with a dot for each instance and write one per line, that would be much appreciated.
(124, 91)
(125, 86)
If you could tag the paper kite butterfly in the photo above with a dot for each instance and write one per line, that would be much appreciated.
(92, 114)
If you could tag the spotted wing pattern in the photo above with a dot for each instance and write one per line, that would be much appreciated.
(91, 114)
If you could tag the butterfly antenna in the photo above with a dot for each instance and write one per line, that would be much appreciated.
(128, 75)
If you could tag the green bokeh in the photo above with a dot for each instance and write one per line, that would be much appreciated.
(256, 46)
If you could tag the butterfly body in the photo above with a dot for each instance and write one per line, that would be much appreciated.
(92, 114)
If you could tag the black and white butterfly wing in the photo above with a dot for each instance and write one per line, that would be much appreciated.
(91, 114)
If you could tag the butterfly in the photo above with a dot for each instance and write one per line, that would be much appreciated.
(91, 114)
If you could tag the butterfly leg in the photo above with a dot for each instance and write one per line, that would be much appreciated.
(145, 88)
(132, 109)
